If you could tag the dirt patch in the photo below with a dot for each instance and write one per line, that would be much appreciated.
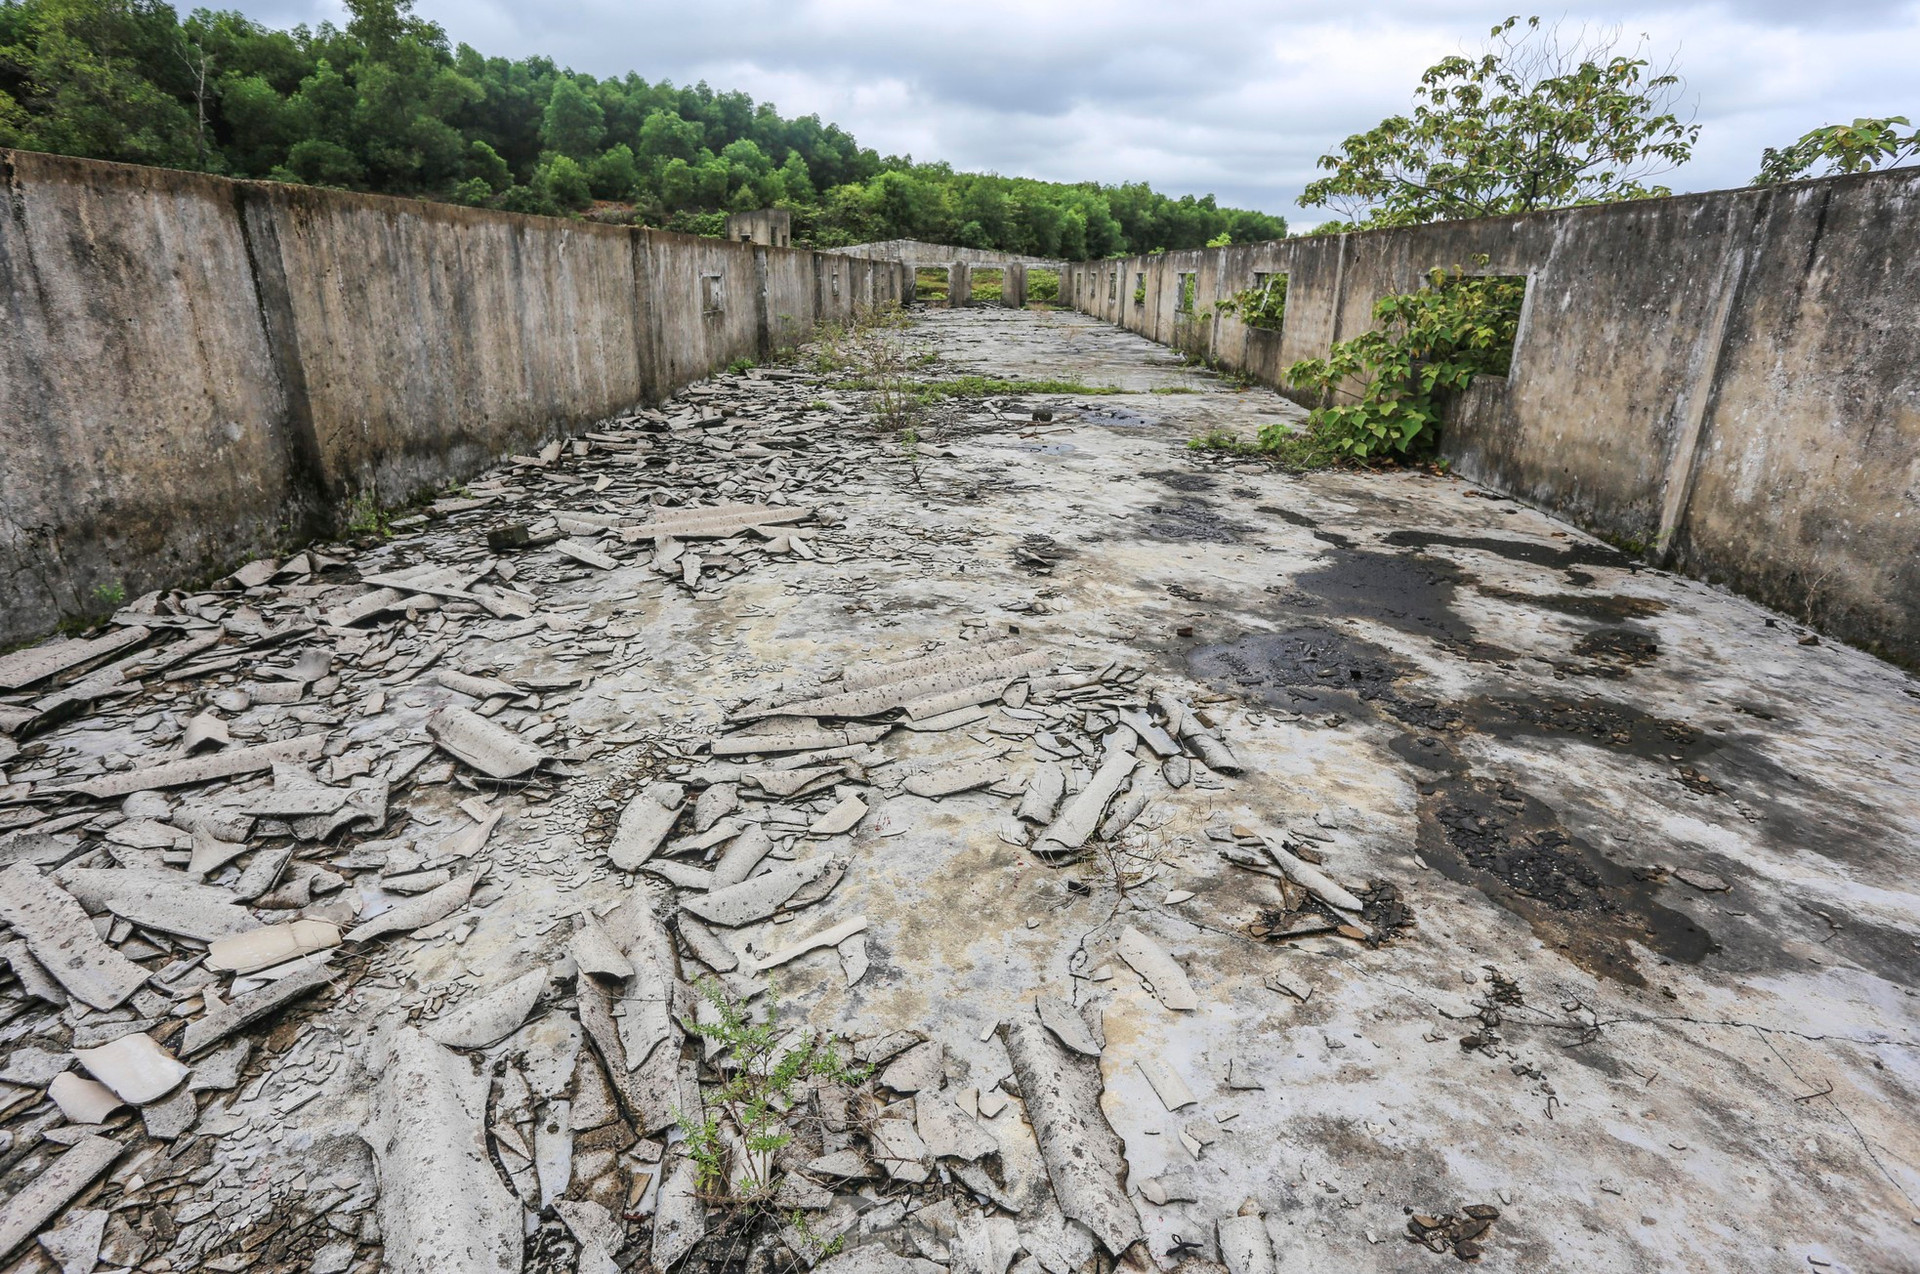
(1613, 652)
(1513, 848)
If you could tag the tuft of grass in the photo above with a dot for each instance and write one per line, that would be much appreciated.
(1174, 389)
(982, 387)
(364, 516)
(739, 365)
(1293, 450)
(110, 596)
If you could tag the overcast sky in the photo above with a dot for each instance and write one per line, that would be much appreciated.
(1236, 97)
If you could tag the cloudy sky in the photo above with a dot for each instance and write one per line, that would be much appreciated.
(1236, 97)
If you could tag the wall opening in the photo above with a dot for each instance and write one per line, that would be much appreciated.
(1140, 288)
(1494, 302)
(1184, 295)
(1113, 285)
(988, 282)
(713, 293)
(836, 283)
(1264, 305)
(930, 283)
(1043, 285)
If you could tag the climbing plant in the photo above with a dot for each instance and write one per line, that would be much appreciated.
(1425, 348)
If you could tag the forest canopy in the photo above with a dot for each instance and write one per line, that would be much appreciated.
(387, 105)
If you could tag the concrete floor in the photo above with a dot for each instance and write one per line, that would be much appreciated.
(1522, 731)
(1440, 690)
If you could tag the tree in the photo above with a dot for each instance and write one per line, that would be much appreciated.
(573, 123)
(566, 183)
(1533, 122)
(1858, 147)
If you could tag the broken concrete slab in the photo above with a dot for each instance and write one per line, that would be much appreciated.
(27, 1212)
(63, 941)
(491, 1016)
(442, 1207)
(645, 823)
(1158, 970)
(1085, 1160)
(488, 748)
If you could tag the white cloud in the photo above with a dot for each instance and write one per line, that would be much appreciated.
(1216, 96)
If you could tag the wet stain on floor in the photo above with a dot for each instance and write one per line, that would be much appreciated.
(1410, 592)
(1195, 521)
(1607, 608)
(1513, 848)
(1532, 552)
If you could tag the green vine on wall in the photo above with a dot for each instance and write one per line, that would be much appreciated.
(1425, 349)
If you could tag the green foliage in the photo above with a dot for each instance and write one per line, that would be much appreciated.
(1140, 294)
(387, 105)
(364, 516)
(110, 596)
(1043, 285)
(1531, 123)
(764, 1067)
(1858, 147)
(739, 365)
(1264, 306)
(566, 183)
(1425, 347)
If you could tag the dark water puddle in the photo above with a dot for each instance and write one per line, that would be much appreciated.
(1288, 516)
(1490, 835)
(1610, 608)
(1405, 591)
(1532, 552)
(1305, 669)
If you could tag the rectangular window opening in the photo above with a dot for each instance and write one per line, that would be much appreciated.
(836, 283)
(1140, 288)
(1493, 304)
(713, 293)
(1189, 285)
(1264, 305)
(1113, 285)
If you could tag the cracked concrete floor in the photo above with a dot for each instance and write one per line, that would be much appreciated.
(1658, 1002)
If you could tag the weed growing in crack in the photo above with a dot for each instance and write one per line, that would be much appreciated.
(747, 1114)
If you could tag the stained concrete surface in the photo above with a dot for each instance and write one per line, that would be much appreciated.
(1522, 732)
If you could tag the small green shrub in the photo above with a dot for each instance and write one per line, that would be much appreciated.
(1264, 306)
(1426, 349)
(110, 596)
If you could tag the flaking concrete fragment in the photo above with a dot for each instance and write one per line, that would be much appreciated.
(442, 1206)
(1084, 1158)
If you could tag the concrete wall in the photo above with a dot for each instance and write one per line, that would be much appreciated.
(196, 371)
(1730, 380)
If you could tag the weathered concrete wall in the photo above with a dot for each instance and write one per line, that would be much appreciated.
(195, 371)
(1729, 380)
